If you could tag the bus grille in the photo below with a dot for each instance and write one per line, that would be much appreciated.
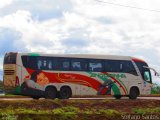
(9, 72)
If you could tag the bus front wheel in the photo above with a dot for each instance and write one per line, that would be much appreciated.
(117, 96)
(134, 92)
(65, 92)
(50, 93)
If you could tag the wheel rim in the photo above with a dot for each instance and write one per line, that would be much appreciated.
(133, 94)
(50, 93)
(65, 93)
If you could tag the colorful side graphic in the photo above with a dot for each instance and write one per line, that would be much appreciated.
(34, 83)
(37, 80)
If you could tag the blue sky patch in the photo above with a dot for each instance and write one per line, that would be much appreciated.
(41, 9)
(8, 38)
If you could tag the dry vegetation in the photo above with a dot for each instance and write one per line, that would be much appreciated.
(76, 109)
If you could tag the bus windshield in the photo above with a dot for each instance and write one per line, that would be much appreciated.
(145, 72)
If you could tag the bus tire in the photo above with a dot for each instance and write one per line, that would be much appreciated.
(134, 92)
(117, 96)
(50, 92)
(65, 92)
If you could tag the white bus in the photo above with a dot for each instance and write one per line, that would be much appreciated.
(65, 75)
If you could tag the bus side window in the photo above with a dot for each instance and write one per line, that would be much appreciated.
(49, 64)
(39, 64)
(129, 68)
(78, 65)
(64, 64)
(31, 62)
(108, 66)
(112, 66)
(95, 66)
(44, 63)
(55, 63)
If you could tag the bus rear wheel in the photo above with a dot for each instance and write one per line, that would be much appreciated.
(133, 93)
(65, 92)
(50, 93)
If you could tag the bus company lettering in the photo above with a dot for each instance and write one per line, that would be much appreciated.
(107, 76)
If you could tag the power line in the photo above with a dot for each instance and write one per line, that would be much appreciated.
(121, 5)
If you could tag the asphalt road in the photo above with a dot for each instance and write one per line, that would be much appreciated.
(146, 98)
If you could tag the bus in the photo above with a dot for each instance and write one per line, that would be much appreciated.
(65, 75)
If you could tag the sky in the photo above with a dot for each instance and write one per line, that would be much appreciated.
(82, 26)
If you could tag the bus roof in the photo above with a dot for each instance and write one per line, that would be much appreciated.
(94, 56)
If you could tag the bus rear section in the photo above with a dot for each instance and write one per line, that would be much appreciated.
(10, 80)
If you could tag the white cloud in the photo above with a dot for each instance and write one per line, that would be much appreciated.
(34, 34)
(4, 3)
(99, 28)
(104, 28)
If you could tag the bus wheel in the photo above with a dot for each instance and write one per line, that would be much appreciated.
(133, 93)
(65, 92)
(50, 93)
(117, 96)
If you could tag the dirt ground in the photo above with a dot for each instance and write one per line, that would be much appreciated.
(123, 105)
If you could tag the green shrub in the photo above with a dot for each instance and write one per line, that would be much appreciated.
(66, 113)
(155, 89)
(146, 110)
(108, 112)
(5, 116)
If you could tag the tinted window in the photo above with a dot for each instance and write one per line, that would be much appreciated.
(40, 63)
(112, 66)
(120, 66)
(64, 64)
(10, 58)
(140, 65)
(95, 65)
(24, 61)
(78, 65)
(141, 68)
(29, 62)
(44, 63)
(127, 67)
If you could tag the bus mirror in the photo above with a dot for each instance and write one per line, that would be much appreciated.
(155, 72)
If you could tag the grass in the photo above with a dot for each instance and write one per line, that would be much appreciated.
(63, 113)
(13, 96)
(147, 110)
(75, 109)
